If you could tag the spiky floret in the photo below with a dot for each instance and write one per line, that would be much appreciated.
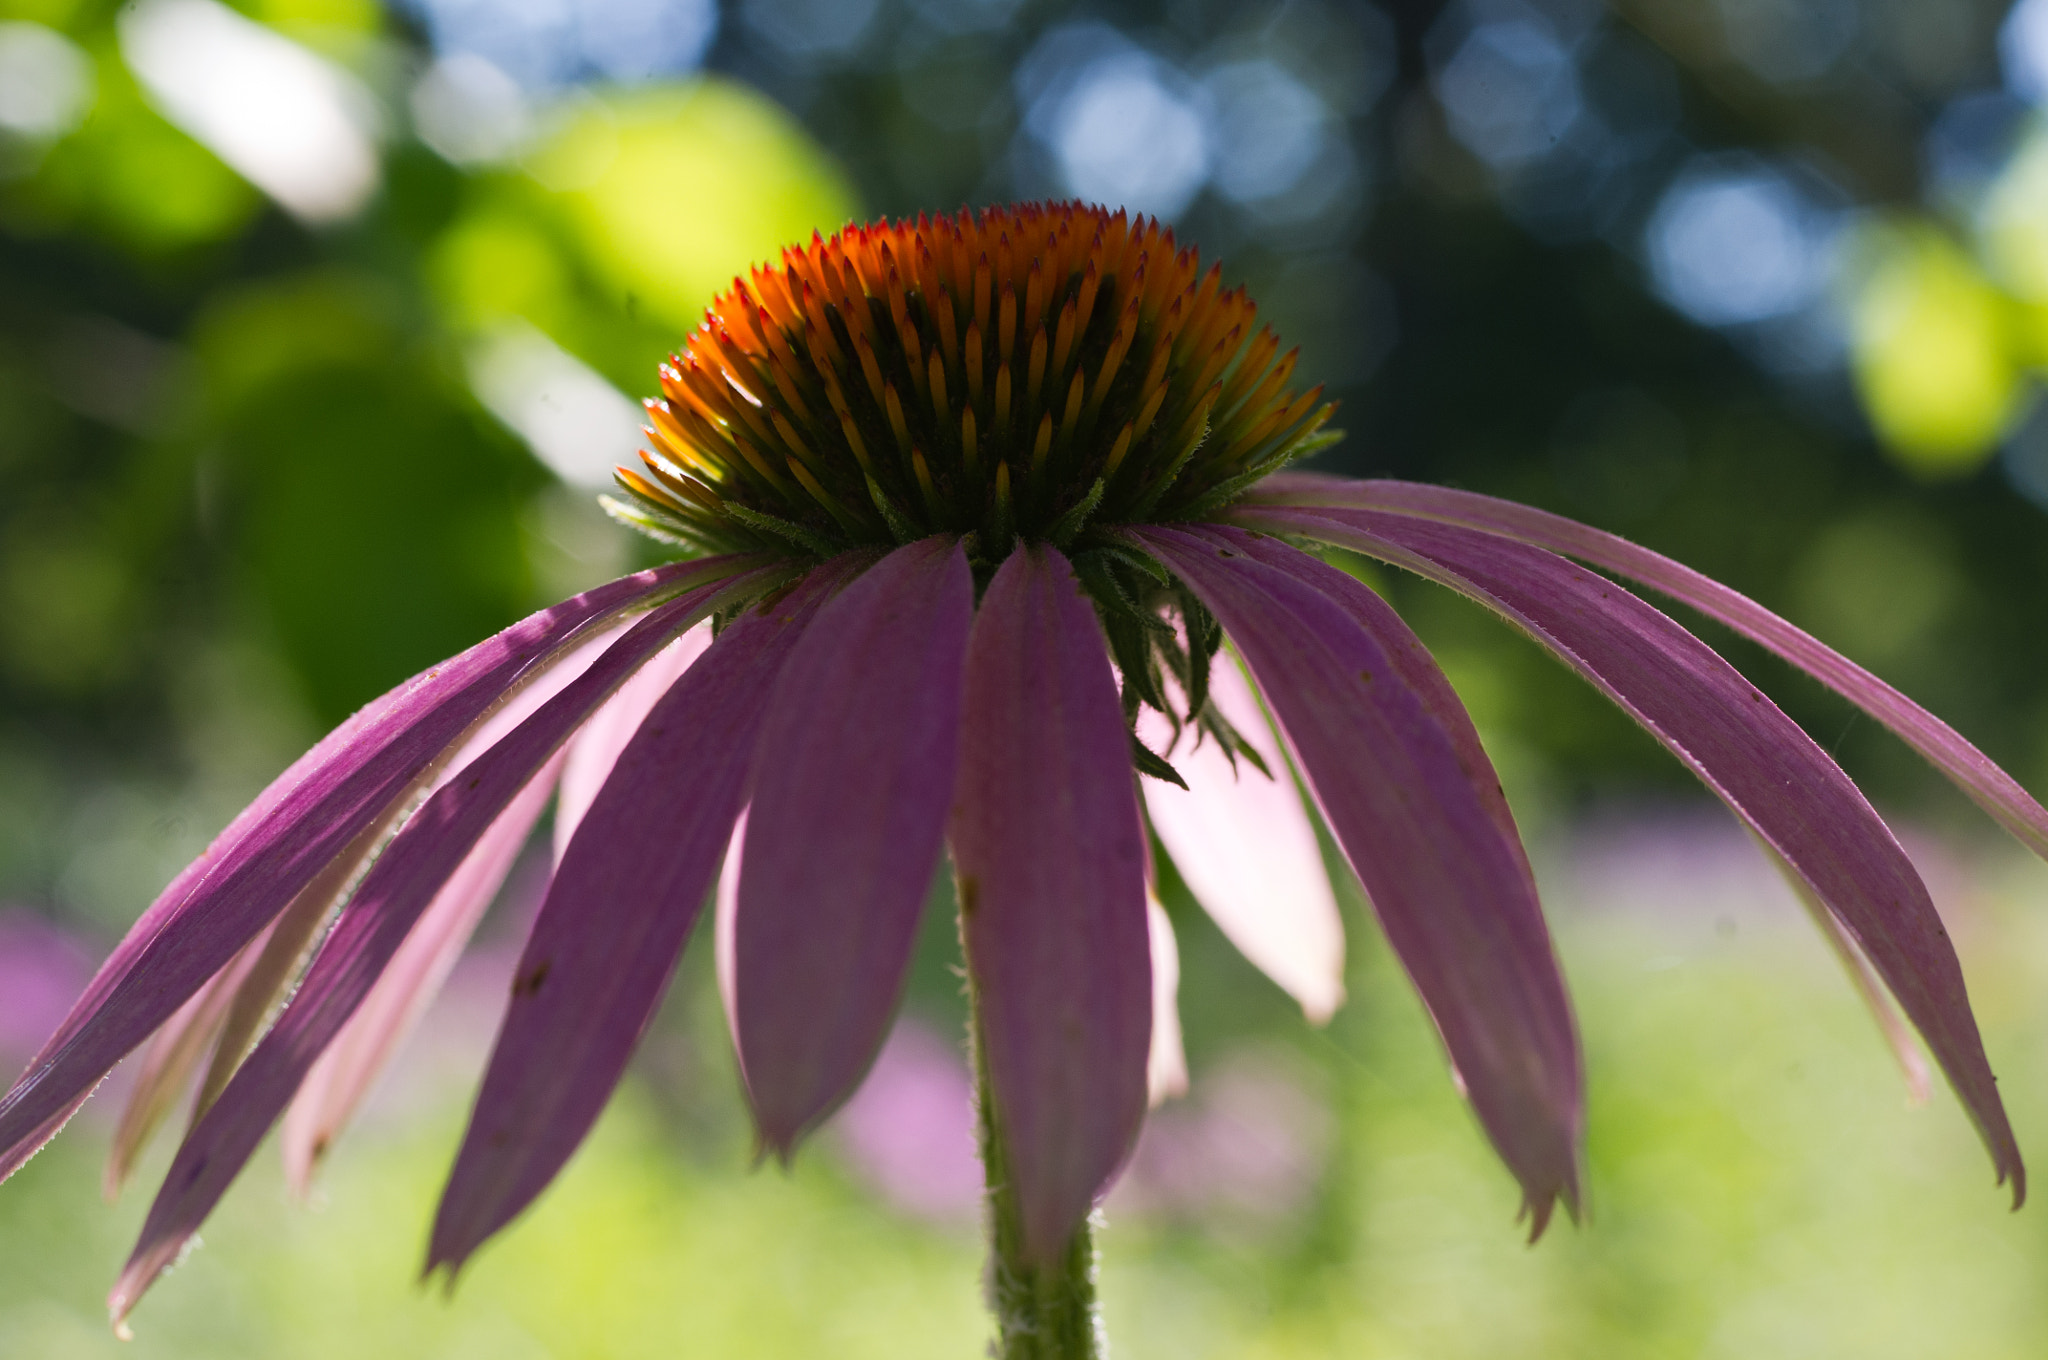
(1030, 371)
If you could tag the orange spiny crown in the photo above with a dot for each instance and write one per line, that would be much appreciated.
(1034, 370)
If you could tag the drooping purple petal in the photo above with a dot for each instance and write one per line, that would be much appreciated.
(852, 784)
(596, 748)
(1744, 748)
(1990, 787)
(1166, 1061)
(1244, 845)
(1414, 815)
(334, 1089)
(278, 964)
(382, 912)
(1418, 669)
(355, 779)
(174, 1054)
(287, 948)
(615, 919)
(1051, 859)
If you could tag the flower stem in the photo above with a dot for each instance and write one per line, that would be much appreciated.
(1043, 1312)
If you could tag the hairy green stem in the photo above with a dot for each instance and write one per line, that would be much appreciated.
(1043, 1311)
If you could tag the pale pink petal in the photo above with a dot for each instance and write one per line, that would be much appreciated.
(171, 1059)
(1245, 846)
(1166, 1065)
(278, 964)
(621, 905)
(1738, 742)
(1447, 879)
(1051, 859)
(596, 748)
(361, 775)
(851, 789)
(381, 913)
(1941, 745)
(334, 1089)
(725, 925)
(288, 947)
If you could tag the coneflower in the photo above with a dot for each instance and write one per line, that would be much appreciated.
(984, 528)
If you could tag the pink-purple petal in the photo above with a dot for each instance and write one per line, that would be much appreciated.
(1245, 846)
(852, 784)
(378, 917)
(286, 950)
(334, 1089)
(616, 916)
(1740, 744)
(1990, 787)
(725, 911)
(1051, 859)
(355, 779)
(1447, 879)
(596, 748)
(1166, 1061)
(167, 1065)
(277, 966)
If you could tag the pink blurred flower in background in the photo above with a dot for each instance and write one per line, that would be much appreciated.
(909, 1130)
(42, 968)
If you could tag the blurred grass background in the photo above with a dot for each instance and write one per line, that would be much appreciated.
(1759, 1185)
(322, 321)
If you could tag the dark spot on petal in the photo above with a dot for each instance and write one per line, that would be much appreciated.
(1757, 695)
(1365, 676)
(970, 896)
(527, 983)
(1225, 552)
(476, 781)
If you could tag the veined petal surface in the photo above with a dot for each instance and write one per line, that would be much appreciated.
(173, 1055)
(1419, 823)
(1740, 744)
(1989, 786)
(1245, 846)
(852, 784)
(359, 776)
(615, 920)
(596, 748)
(286, 951)
(1051, 858)
(376, 921)
(334, 1089)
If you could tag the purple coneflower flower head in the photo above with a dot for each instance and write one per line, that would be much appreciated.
(984, 531)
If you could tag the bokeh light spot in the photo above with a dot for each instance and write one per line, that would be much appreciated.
(1733, 241)
(295, 125)
(1124, 135)
(46, 83)
(1510, 90)
(676, 191)
(1931, 360)
(1269, 129)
